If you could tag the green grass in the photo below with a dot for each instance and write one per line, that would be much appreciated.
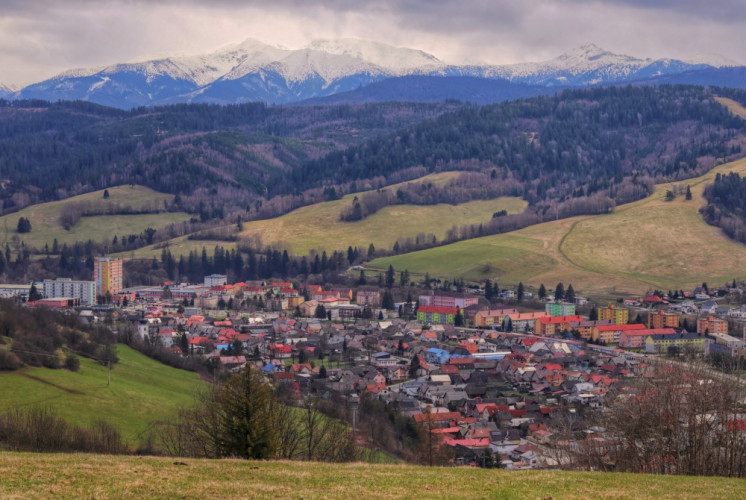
(28, 475)
(142, 391)
(647, 244)
(318, 226)
(45, 226)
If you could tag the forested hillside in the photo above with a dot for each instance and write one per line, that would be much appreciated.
(600, 144)
(52, 151)
(580, 151)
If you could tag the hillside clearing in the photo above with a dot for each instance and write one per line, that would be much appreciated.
(28, 475)
(651, 243)
(45, 226)
(142, 390)
(318, 226)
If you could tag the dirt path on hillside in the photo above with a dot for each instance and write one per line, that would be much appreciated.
(32, 377)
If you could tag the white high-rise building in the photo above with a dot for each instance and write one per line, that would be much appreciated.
(65, 287)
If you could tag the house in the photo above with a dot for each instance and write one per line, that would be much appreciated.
(437, 356)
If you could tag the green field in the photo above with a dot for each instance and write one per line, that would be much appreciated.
(142, 391)
(45, 226)
(318, 226)
(27, 475)
(647, 244)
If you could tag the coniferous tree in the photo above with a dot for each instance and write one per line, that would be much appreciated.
(542, 291)
(559, 292)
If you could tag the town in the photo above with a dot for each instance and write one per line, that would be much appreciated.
(490, 380)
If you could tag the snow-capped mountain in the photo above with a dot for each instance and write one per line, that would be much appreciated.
(254, 71)
(6, 91)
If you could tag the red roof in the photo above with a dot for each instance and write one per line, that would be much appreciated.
(438, 309)
(654, 299)
(560, 319)
(621, 328)
(437, 417)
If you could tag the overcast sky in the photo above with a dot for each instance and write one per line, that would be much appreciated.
(40, 38)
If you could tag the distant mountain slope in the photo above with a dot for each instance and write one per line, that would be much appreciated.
(253, 71)
(733, 77)
(420, 88)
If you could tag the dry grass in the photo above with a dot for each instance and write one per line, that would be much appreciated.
(89, 476)
(45, 226)
(651, 243)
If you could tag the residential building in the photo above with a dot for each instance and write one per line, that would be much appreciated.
(610, 334)
(67, 288)
(560, 308)
(635, 339)
(108, 275)
(586, 328)
(723, 344)
(369, 298)
(710, 325)
(448, 299)
(492, 317)
(660, 343)
(215, 280)
(663, 319)
(554, 325)
(437, 315)
(617, 315)
(522, 322)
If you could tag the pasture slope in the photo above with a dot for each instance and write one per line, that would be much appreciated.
(317, 226)
(651, 243)
(142, 391)
(29, 476)
(46, 227)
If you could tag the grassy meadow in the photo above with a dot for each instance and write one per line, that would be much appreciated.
(45, 226)
(651, 243)
(318, 226)
(28, 476)
(142, 390)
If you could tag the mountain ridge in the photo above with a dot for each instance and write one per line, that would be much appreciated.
(255, 71)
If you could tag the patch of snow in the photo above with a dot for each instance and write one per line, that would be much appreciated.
(99, 84)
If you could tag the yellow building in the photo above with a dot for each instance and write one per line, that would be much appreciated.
(618, 316)
(107, 273)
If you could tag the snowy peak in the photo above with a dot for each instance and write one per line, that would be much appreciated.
(396, 59)
(255, 71)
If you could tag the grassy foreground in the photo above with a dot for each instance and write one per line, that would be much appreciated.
(93, 476)
(142, 390)
(651, 243)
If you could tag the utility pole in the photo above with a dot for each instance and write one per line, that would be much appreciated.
(108, 381)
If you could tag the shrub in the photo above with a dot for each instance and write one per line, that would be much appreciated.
(9, 361)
